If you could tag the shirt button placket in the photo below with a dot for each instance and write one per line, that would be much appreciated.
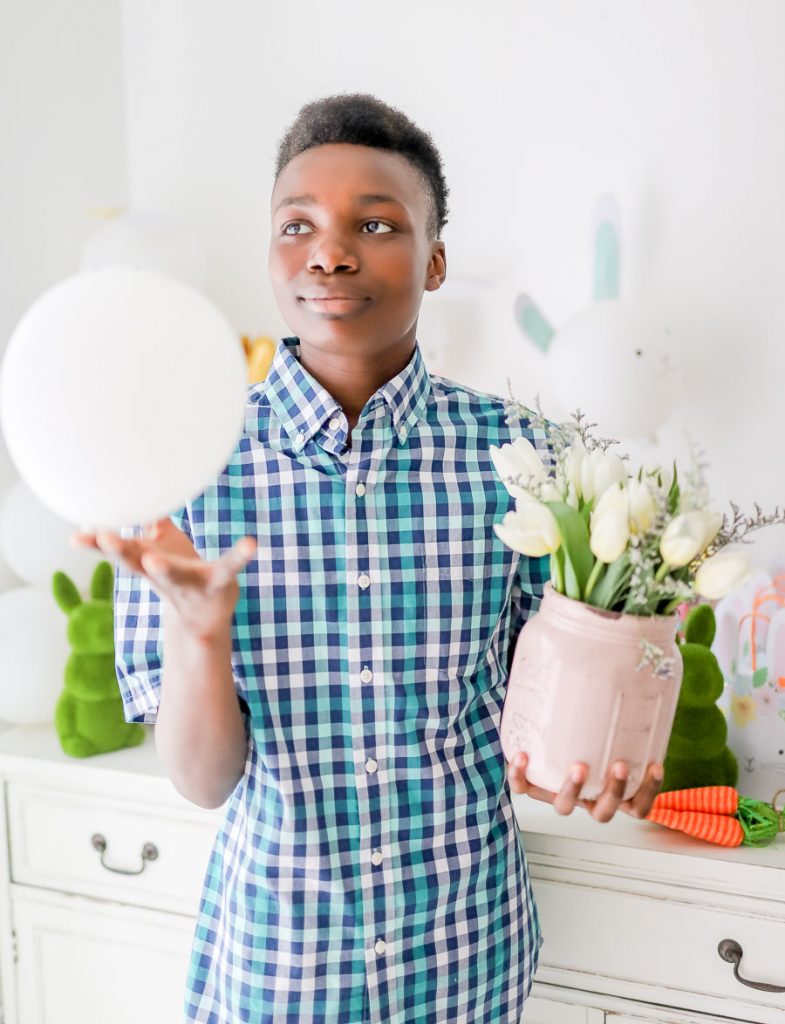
(365, 711)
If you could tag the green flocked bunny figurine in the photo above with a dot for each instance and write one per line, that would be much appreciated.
(697, 753)
(89, 712)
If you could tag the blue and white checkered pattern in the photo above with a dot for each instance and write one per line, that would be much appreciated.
(369, 867)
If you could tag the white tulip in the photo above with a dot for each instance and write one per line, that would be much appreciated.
(721, 573)
(531, 529)
(610, 528)
(712, 521)
(643, 507)
(519, 459)
(683, 539)
(550, 491)
(599, 471)
(574, 458)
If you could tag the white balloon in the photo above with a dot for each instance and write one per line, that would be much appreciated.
(147, 240)
(617, 362)
(8, 577)
(122, 394)
(34, 541)
(33, 652)
(8, 476)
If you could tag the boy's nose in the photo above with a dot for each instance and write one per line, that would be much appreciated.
(332, 255)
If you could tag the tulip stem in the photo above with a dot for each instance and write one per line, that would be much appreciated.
(594, 575)
(556, 573)
(671, 606)
(662, 572)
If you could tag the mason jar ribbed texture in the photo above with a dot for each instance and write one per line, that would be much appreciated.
(577, 692)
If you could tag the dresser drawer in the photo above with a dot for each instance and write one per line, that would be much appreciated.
(52, 846)
(661, 947)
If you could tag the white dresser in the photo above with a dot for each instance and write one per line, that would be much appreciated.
(101, 865)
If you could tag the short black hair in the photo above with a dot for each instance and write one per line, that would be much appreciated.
(364, 120)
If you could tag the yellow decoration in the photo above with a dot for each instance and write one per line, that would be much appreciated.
(742, 709)
(259, 353)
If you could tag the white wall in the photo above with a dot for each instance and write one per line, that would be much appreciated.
(62, 150)
(62, 155)
(538, 106)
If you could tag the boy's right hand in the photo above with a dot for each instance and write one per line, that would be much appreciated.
(200, 594)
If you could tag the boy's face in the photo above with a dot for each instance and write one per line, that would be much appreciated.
(350, 254)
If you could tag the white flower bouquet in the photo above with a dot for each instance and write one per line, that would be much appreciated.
(638, 543)
(596, 670)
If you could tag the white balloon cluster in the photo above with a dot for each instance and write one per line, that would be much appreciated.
(122, 394)
(33, 647)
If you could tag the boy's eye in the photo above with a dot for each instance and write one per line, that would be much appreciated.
(295, 224)
(298, 227)
(377, 227)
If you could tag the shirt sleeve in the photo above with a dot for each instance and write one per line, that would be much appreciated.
(527, 591)
(137, 641)
(139, 638)
(533, 573)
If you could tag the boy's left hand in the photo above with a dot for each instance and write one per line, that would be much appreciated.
(606, 804)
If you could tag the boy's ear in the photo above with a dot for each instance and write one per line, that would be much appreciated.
(437, 267)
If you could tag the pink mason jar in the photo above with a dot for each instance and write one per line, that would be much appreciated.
(594, 686)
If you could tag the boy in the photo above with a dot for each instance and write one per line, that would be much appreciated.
(344, 694)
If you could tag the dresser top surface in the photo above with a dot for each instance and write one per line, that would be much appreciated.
(36, 749)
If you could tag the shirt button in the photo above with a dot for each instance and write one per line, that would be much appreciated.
(366, 675)
(335, 422)
(377, 857)
(299, 441)
(359, 490)
(380, 946)
(363, 581)
(371, 766)
(402, 433)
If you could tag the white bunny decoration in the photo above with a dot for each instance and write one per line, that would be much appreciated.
(750, 647)
(615, 360)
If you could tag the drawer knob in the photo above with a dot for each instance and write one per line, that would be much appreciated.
(149, 852)
(731, 951)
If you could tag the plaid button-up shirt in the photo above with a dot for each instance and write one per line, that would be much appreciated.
(369, 867)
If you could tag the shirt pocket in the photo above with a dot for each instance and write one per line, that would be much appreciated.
(451, 617)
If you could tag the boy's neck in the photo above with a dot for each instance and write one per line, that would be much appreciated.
(352, 381)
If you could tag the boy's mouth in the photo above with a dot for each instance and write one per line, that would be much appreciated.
(333, 304)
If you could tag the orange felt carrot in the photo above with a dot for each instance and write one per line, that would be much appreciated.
(722, 829)
(709, 799)
(718, 814)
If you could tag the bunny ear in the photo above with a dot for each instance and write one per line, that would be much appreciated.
(102, 583)
(533, 323)
(607, 248)
(725, 646)
(775, 649)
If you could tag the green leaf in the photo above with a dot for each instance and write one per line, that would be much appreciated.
(605, 591)
(578, 559)
(760, 677)
(557, 570)
(673, 493)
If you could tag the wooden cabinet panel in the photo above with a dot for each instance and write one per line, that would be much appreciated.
(87, 962)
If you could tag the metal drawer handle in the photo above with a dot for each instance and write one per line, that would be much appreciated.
(149, 852)
(731, 951)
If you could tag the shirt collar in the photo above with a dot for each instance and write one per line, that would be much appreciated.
(304, 406)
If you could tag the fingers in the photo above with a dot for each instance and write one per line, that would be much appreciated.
(565, 800)
(79, 539)
(640, 803)
(516, 773)
(234, 561)
(607, 803)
